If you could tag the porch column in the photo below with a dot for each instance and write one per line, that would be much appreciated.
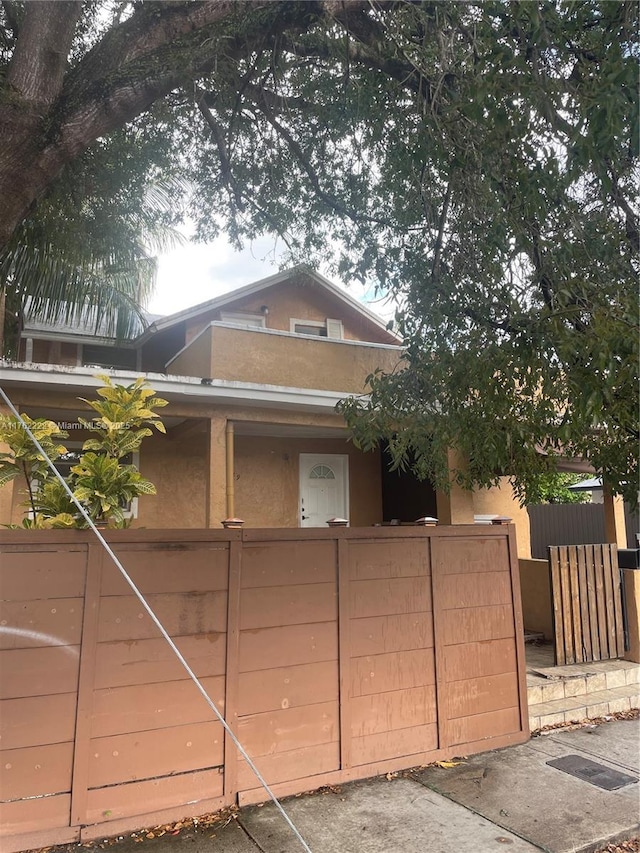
(614, 526)
(230, 483)
(501, 500)
(217, 474)
(457, 506)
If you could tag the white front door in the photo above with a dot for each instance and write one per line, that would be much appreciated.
(324, 488)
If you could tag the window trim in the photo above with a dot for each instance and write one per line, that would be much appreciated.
(318, 324)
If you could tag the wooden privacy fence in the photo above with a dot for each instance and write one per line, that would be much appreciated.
(334, 654)
(573, 524)
(587, 603)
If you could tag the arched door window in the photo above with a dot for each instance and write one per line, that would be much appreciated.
(324, 488)
(322, 472)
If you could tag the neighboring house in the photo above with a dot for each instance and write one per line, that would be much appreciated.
(593, 485)
(252, 378)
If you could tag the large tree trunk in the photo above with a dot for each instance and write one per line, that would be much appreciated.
(34, 82)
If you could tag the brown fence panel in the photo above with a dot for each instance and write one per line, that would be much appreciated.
(41, 618)
(288, 697)
(392, 693)
(587, 603)
(481, 693)
(334, 654)
(142, 697)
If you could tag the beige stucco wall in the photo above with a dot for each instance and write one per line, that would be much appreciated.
(632, 592)
(267, 480)
(247, 355)
(177, 465)
(460, 506)
(266, 487)
(195, 359)
(16, 504)
(501, 500)
(535, 588)
(456, 505)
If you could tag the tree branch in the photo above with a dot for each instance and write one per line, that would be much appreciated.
(631, 222)
(241, 198)
(154, 26)
(218, 137)
(274, 101)
(332, 201)
(435, 268)
(401, 72)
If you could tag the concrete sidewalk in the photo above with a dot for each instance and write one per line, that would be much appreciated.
(509, 799)
(516, 789)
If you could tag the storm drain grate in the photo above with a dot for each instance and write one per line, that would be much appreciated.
(591, 771)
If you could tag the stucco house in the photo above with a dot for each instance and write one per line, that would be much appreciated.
(252, 379)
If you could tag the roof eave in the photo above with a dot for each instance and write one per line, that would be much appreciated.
(174, 388)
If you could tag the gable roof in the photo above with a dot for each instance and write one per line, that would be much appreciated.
(300, 271)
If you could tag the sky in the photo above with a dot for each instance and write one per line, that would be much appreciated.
(197, 272)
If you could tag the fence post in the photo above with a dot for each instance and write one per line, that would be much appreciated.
(518, 621)
(434, 546)
(86, 680)
(232, 670)
(344, 652)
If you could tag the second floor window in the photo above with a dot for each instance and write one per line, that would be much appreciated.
(327, 329)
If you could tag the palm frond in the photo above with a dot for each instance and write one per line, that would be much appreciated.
(85, 257)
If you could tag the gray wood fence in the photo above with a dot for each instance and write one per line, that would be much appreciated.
(572, 524)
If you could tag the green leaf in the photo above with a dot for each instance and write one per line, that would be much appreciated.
(9, 474)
